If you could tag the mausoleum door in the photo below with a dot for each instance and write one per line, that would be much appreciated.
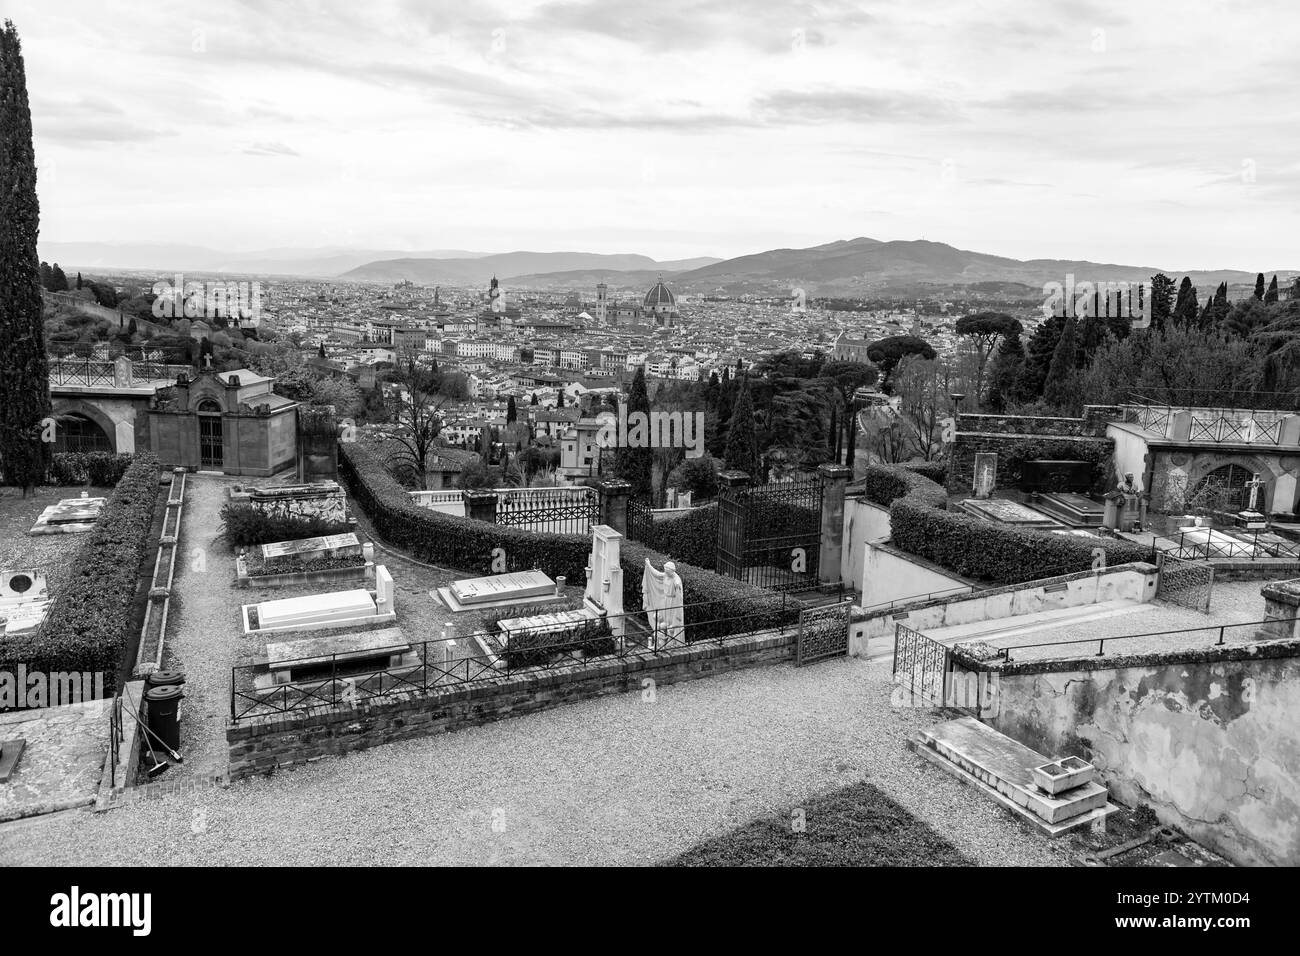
(212, 451)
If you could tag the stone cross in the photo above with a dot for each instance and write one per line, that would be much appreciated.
(1254, 485)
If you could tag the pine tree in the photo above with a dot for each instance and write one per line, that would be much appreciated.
(742, 448)
(24, 371)
(1259, 287)
(1271, 295)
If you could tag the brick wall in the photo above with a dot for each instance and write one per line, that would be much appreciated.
(262, 744)
(961, 467)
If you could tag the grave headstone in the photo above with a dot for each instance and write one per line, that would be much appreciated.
(986, 474)
(323, 546)
(604, 593)
(497, 589)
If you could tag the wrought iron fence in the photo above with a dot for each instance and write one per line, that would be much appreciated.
(823, 633)
(770, 535)
(1238, 545)
(444, 665)
(920, 663)
(640, 522)
(557, 510)
(87, 371)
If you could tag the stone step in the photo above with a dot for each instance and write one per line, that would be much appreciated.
(1004, 765)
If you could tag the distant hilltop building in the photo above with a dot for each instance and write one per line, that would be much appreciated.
(658, 306)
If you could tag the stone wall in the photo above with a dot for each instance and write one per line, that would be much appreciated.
(1207, 738)
(1010, 446)
(262, 744)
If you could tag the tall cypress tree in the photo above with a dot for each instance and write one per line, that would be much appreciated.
(633, 462)
(1162, 299)
(1064, 362)
(742, 447)
(1186, 308)
(24, 373)
(1259, 287)
(1271, 295)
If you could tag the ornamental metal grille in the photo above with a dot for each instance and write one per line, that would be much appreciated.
(823, 633)
(640, 522)
(770, 536)
(557, 510)
(81, 372)
(920, 664)
(1185, 583)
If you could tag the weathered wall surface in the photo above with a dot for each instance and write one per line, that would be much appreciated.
(890, 574)
(1210, 741)
(863, 521)
(263, 744)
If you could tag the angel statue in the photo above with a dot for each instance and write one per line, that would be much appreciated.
(662, 598)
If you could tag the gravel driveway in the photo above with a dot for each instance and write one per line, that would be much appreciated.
(615, 780)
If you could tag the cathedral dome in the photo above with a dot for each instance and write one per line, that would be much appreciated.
(660, 297)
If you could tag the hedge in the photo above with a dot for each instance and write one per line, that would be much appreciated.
(936, 471)
(90, 622)
(244, 525)
(691, 536)
(471, 546)
(972, 547)
(976, 548)
(102, 469)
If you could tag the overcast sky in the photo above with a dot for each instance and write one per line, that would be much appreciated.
(1149, 133)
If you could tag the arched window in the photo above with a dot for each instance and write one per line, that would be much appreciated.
(1225, 488)
(209, 407)
(80, 434)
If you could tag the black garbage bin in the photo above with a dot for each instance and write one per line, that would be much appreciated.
(163, 679)
(164, 715)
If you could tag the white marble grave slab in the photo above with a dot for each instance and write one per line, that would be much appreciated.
(330, 545)
(502, 587)
(315, 608)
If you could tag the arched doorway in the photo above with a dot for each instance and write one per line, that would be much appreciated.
(212, 447)
(78, 433)
(1228, 486)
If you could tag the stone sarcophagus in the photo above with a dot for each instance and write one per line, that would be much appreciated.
(324, 500)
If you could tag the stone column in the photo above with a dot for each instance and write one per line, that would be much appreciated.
(732, 478)
(481, 506)
(834, 479)
(614, 494)
(1281, 608)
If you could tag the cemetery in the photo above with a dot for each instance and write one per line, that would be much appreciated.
(318, 559)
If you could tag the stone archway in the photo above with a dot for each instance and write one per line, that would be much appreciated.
(1232, 468)
(88, 412)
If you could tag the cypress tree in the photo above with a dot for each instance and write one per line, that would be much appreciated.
(58, 279)
(742, 448)
(1259, 287)
(512, 413)
(1271, 295)
(78, 280)
(1064, 362)
(1186, 308)
(24, 373)
(633, 463)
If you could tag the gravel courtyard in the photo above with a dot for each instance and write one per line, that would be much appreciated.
(616, 780)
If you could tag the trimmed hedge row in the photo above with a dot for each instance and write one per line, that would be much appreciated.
(90, 621)
(885, 484)
(691, 537)
(244, 525)
(936, 471)
(972, 547)
(103, 469)
(469, 545)
(975, 548)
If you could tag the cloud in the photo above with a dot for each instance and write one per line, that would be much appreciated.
(270, 149)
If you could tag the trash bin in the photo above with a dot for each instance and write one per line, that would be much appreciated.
(163, 679)
(164, 714)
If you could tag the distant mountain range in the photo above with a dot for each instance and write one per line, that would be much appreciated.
(323, 263)
(848, 267)
(539, 265)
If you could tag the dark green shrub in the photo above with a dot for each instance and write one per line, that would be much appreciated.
(471, 546)
(936, 471)
(884, 484)
(533, 648)
(102, 469)
(245, 525)
(90, 622)
(975, 548)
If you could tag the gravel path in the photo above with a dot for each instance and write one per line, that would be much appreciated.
(615, 780)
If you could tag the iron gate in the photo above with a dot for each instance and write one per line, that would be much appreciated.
(640, 522)
(771, 535)
(1186, 583)
(823, 633)
(927, 671)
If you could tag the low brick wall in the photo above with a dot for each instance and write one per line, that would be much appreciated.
(263, 744)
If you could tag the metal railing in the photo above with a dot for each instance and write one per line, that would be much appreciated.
(438, 666)
(1236, 545)
(1101, 642)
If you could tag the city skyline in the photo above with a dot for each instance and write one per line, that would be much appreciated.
(694, 130)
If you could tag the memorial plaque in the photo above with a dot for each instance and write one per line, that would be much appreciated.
(324, 546)
(986, 474)
(1003, 511)
(16, 618)
(502, 587)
